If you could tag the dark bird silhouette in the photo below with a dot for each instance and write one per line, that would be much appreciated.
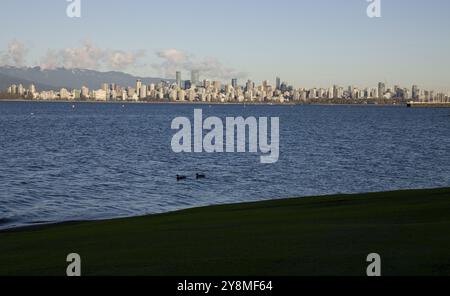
(179, 178)
(200, 176)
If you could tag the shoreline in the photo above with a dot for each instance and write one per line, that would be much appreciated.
(204, 103)
(414, 105)
(428, 105)
(49, 224)
(266, 238)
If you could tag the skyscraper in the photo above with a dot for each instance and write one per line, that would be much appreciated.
(381, 90)
(195, 77)
(415, 92)
(234, 83)
(249, 86)
(278, 83)
(138, 85)
(179, 79)
(217, 85)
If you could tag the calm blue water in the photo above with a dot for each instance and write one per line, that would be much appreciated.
(98, 161)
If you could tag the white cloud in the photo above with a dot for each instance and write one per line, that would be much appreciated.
(120, 60)
(89, 56)
(176, 60)
(15, 54)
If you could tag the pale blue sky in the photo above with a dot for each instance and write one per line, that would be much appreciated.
(312, 43)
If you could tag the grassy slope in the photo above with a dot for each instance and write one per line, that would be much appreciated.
(309, 236)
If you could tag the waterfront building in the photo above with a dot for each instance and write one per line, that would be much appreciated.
(234, 83)
(99, 95)
(278, 83)
(20, 90)
(138, 85)
(32, 89)
(143, 92)
(381, 90)
(64, 94)
(178, 79)
(84, 92)
(249, 86)
(195, 77)
(217, 85)
(415, 92)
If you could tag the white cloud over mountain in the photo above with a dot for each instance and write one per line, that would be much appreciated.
(15, 55)
(89, 56)
(176, 60)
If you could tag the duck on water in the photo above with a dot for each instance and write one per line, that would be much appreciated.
(197, 176)
(179, 178)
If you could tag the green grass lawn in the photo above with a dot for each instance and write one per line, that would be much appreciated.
(306, 236)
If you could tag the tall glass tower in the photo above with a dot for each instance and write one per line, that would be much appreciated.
(195, 77)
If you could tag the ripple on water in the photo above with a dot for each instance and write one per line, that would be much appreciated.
(105, 161)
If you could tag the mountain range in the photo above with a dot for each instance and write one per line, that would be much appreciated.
(55, 79)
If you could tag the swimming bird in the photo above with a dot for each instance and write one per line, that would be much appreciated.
(200, 176)
(179, 178)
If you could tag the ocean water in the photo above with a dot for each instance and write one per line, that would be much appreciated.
(60, 162)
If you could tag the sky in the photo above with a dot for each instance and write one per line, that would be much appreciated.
(314, 43)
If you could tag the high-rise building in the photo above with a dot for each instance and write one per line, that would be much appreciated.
(187, 84)
(415, 92)
(84, 92)
(234, 83)
(206, 84)
(143, 92)
(138, 85)
(217, 85)
(335, 91)
(381, 90)
(131, 92)
(195, 77)
(64, 94)
(278, 83)
(32, 88)
(20, 90)
(179, 79)
(249, 86)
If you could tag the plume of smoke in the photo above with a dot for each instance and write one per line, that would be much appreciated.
(15, 54)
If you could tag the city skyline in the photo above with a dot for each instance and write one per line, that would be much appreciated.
(407, 45)
(194, 90)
